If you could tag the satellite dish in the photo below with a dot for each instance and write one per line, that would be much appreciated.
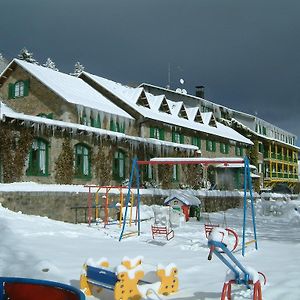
(181, 81)
(178, 90)
(184, 91)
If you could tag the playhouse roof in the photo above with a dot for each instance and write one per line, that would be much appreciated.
(184, 197)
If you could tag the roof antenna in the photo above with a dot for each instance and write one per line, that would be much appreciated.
(169, 76)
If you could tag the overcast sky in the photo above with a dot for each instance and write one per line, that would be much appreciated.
(245, 52)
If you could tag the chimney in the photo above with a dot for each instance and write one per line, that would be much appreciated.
(200, 91)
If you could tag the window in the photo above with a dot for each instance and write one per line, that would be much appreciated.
(47, 116)
(96, 122)
(117, 127)
(196, 141)
(224, 148)
(210, 146)
(38, 158)
(84, 119)
(18, 89)
(238, 151)
(175, 173)
(119, 165)
(260, 148)
(177, 137)
(157, 133)
(82, 161)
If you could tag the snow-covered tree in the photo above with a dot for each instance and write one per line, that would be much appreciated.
(50, 64)
(27, 56)
(78, 68)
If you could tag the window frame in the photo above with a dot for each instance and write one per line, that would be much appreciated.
(83, 153)
(35, 166)
(119, 160)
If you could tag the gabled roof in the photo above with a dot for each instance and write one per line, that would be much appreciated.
(209, 119)
(72, 89)
(194, 114)
(130, 96)
(184, 197)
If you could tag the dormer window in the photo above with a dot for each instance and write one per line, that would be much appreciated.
(18, 89)
(142, 100)
(183, 113)
(164, 107)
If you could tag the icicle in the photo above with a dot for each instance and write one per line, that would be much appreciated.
(88, 115)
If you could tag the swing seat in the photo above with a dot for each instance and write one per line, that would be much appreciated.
(162, 230)
(209, 227)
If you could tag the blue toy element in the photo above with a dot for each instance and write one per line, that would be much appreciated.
(231, 262)
(101, 277)
(134, 169)
(248, 183)
(17, 288)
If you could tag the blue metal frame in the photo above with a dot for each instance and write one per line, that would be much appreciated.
(134, 168)
(59, 285)
(232, 262)
(248, 184)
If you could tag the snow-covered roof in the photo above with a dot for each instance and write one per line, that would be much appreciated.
(184, 197)
(72, 89)
(131, 95)
(261, 135)
(200, 160)
(5, 111)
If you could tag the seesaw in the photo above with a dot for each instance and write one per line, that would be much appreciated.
(237, 274)
(15, 288)
(128, 280)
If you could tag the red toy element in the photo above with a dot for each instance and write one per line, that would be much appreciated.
(186, 211)
(226, 292)
(231, 233)
(162, 230)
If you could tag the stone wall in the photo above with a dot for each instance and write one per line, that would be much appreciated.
(61, 205)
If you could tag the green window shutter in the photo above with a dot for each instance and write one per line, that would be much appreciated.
(181, 139)
(26, 87)
(207, 145)
(161, 134)
(112, 125)
(151, 132)
(173, 136)
(214, 146)
(227, 148)
(11, 91)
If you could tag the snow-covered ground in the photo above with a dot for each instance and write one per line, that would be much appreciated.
(37, 247)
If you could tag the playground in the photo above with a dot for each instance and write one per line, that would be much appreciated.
(156, 252)
(38, 247)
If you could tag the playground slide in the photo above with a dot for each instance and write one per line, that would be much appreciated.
(33, 289)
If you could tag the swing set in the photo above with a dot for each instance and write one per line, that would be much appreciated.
(192, 161)
(107, 205)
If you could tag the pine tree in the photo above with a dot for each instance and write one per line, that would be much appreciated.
(64, 165)
(78, 68)
(50, 64)
(27, 56)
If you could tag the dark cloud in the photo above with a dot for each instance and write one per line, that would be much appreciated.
(246, 53)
